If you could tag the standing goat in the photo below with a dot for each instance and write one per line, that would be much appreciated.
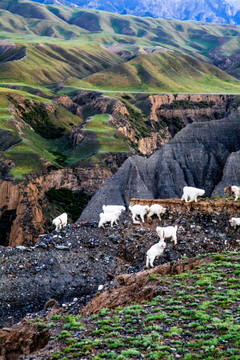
(233, 190)
(60, 221)
(156, 209)
(234, 222)
(191, 193)
(154, 252)
(111, 217)
(138, 210)
(167, 232)
(113, 208)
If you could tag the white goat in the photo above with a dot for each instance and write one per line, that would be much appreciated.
(111, 217)
(154, 252)
(60, 221)
(113, 208)
(191, 193)
(233, 190)
(234, 222)
(156, 209)
(167, 232)
(138, 210)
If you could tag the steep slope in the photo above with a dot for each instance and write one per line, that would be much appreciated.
(196, 156)
(47, 63)
(73, 262)
(127, 35)
(167, 72)
(225, 12)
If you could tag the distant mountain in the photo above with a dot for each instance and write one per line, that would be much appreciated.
(213, 11)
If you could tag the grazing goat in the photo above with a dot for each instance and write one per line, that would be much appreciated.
(111, 217)
(155, 251)
(167, 232)
(191, 193)
(138, 210)
(234, 222)
(156, 209)
(113, 208)
(233, 190)
(60, 221)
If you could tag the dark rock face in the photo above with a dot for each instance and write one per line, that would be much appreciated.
(200, 155)
(6, 139)
(231, 173)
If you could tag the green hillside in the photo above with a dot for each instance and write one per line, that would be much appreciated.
(64, 43)
(128, 32)
(46, 51)
(36, 132)
(166, 72)
(196, 316)
(46, 64)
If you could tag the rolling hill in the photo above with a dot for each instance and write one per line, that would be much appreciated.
(49, 51)
(168, 71)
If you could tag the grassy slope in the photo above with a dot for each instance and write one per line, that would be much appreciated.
(51, 63)
(100, 138)
(196, 317)
(166, 72)
(66, 49)
(28, 153)
(50, 59)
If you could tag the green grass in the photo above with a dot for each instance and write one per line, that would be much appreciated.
(194, 326)
(28, 153)
(164, 72)
(107, 136)
(100, 138)
(26, 162)
(89, 33)
(69, 49)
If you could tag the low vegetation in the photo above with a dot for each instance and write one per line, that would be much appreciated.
(196, 317)
(167, 72)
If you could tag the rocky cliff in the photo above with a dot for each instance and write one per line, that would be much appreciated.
(149, 121)
(146, 121)
(22, 216)
(199, 155)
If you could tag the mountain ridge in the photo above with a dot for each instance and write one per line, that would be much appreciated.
(223, 12)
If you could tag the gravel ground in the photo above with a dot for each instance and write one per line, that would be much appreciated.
(72, 263)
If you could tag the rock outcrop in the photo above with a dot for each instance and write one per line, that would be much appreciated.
(188, 108)
(149, 121)
(196, 156)
(22, 339)
(146, 130)
(21, 204)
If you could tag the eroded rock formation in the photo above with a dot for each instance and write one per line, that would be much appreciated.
(22, 339)
(21, 204)
(160, 118)
(196, 156)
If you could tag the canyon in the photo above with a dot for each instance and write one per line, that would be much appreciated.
(146, 122)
